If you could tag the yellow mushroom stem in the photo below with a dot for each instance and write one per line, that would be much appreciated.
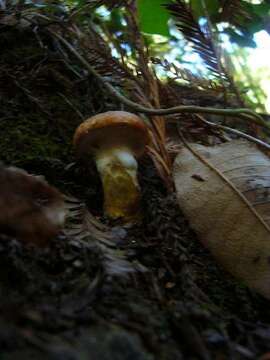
(118, 170)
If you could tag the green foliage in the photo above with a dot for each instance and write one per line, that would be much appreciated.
(244, 18)
(153, 17)
(184, 25)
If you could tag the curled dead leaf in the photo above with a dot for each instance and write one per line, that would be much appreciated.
(230, 209)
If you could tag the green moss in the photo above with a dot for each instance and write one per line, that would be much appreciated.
(41, 101)
(25, 139)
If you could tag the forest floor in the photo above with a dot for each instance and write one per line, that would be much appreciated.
(58, 303)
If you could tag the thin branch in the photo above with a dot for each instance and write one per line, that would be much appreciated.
(245, 114)
(73, 107)
(235, 132)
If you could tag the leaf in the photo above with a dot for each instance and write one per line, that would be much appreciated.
(153, 17)
(230, 207)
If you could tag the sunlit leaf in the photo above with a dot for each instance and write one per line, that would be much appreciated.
(153, 17)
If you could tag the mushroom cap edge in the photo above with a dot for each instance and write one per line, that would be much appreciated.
(111, 128)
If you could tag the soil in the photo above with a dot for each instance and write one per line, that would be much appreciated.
(59, 302)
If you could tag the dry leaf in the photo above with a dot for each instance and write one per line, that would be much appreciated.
(230, 208)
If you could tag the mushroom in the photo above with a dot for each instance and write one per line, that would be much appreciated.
(115, 139)
(32, 211)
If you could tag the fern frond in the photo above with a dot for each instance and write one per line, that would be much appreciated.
(187, 76)
(191, 30)
(110, 4)
(86, 229)
(98, 54)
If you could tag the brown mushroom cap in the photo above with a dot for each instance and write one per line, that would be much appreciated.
(31, 210)
(111, 129)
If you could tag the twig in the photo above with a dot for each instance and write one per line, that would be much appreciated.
(29, 95)
(79, 9)
(235, 132)
(73, 107)
(246, 114)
